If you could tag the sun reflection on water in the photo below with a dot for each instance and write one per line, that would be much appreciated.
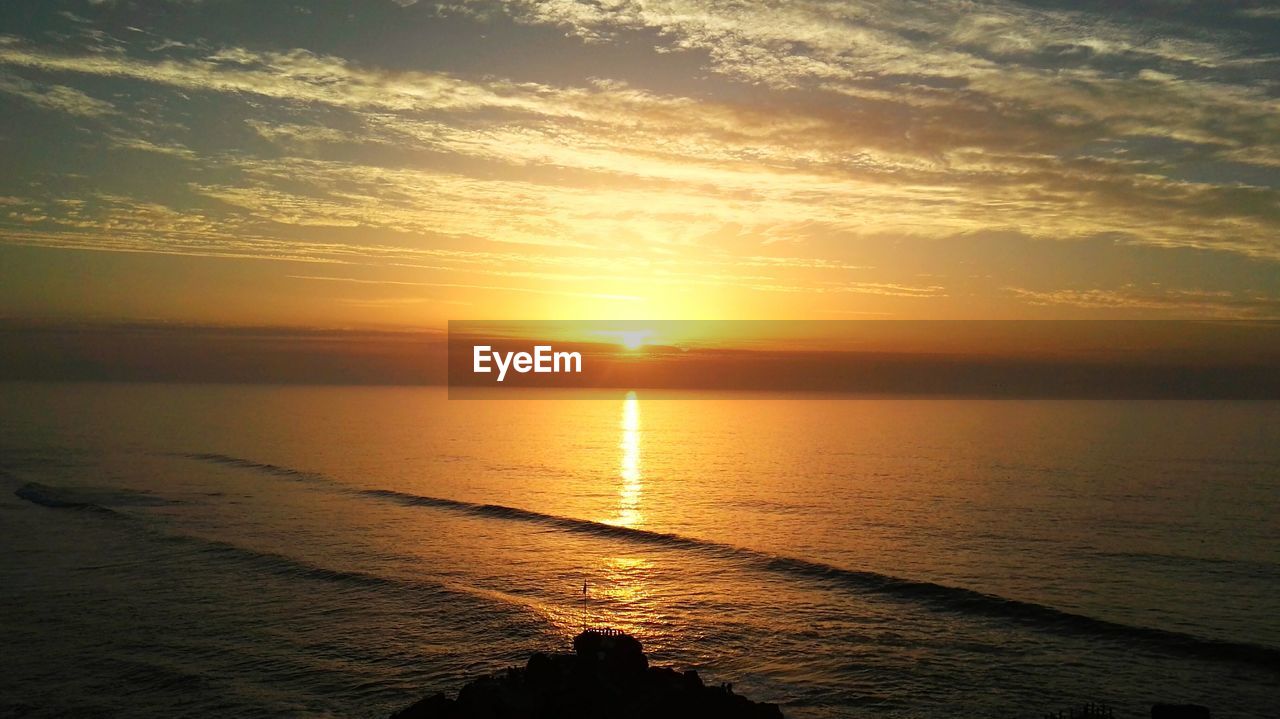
(620, 596)
(629, 494)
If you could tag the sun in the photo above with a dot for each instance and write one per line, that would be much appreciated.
(633, 340)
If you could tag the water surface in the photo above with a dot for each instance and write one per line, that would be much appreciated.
(300, 551)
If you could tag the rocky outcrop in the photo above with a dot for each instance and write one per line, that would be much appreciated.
(608, 675)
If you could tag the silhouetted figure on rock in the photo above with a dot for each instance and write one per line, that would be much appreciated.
(611, 652)
(607, 676)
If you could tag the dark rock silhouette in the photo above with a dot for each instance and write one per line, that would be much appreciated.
(607, 676)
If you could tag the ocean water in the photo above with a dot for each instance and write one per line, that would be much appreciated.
(297, 551)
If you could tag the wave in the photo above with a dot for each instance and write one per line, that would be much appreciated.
(957, 599)
(264, 561)
(82, 498)
(230, 461)
(938, 596)
(421, 593)
(291, 567)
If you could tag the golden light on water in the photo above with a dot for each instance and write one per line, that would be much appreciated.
(619, 597)
(629, 594)
(625, 587)
(629, 470)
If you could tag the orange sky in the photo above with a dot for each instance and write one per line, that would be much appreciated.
(413, 162)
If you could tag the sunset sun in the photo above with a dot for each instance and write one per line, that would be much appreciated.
(630, 339)
(633, 340)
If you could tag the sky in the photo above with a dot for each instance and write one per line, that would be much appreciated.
(397, 164)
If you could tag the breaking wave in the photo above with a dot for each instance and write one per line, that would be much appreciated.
(937, 596)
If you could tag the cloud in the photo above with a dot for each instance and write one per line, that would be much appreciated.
(1267, 13)
(486, 288)
(700, 164)
(1009, 63)
(830, 147)
(59, 98)
(1179, 302)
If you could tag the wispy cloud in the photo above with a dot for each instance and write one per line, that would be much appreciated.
(55, 97)
(490, 288)
(811, 137)
(1200, 303)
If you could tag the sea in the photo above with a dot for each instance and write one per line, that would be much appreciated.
(298, 551)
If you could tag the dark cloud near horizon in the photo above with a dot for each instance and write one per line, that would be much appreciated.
(1099, 360)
